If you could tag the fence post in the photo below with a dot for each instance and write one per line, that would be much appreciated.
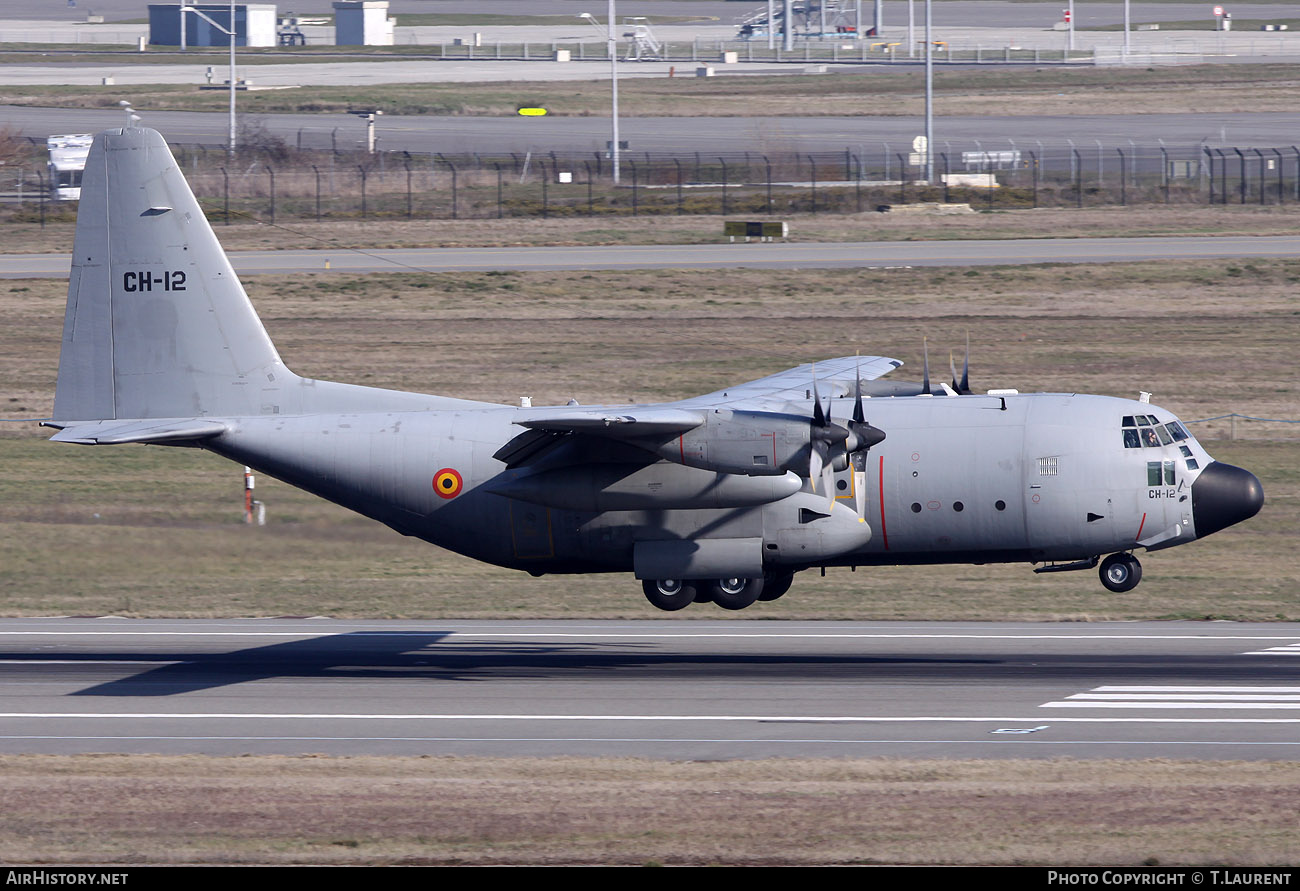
(947, 178)
(406, 162)
(500, 210)
(812, 166)
(635, 184)
(1078, 179)
(271, 172)
(724, 185)
(679, 186)
(226, 176)
(902, 179)
(591, 208)
(546, 208)
(1123, 179)
(1260, 157)
(1281, 192)
(45, 193)
(768, 165)
(1297, 172)
(316, 171)
(363, 190)
(1244, 185)
(1164, 171)
(1033, 159)
(454, 188)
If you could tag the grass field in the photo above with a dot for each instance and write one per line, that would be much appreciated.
(483, 811)
(1100, 222)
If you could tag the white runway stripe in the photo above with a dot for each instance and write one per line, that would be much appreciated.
(1182, 697)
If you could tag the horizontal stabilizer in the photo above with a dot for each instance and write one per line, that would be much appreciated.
(158, 430)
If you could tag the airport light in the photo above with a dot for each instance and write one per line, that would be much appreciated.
(613, 72)
(231, 33)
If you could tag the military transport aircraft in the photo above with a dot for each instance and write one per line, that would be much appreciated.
(720, 498)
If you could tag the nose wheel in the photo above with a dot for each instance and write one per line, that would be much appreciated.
(1120, 572)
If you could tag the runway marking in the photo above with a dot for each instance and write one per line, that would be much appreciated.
(1289, 650)
(760, 719)
(1182, 697)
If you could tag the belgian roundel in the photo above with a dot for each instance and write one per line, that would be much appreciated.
(447, 483)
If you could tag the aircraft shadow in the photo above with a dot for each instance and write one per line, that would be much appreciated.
(416, 656)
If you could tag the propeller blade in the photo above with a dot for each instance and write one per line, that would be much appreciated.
(964, 389)
(816, 461)
(828, 483)
(819, 417)
(925, 347)
(860, 485)
(952, 368)
(859, 415)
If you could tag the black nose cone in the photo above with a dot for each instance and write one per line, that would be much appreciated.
(1223, 495)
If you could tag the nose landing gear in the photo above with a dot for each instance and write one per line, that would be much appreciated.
(1120, 572)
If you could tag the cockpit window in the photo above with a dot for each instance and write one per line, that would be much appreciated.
(1146, 431)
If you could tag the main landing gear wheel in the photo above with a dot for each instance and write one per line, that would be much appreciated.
(669, 594)
(735, 593)
(776, 585)
(1120, 572)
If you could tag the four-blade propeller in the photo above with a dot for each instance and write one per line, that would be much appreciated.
(830, 443)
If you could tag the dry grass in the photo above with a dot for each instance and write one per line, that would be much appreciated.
(151, 531)
(26, 238)
(482, 811)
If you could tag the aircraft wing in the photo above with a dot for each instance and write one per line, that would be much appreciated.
(148, 430)
(834, 377)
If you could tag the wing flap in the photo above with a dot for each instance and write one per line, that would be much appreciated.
(627, 423)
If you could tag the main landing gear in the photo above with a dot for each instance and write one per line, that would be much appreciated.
(732, 593)
(1120, 572)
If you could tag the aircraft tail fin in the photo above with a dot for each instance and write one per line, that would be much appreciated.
(157, 323)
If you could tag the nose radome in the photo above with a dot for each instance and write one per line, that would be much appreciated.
(1223, 495)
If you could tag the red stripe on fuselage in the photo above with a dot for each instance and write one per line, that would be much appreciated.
(884, 536)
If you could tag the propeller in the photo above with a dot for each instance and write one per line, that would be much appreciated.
(823, 434)
(829, 441)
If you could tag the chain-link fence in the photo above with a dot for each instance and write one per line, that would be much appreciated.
(276, 181)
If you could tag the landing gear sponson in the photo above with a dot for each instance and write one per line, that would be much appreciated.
(730, 593)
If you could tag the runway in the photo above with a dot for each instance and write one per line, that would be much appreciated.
(654, 688)
(775, 255)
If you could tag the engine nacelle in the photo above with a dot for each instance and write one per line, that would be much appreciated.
(750, 443)
(662, 486)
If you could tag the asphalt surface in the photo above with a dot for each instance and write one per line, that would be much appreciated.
(655, 688)
(861, 134)
(774, 255)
